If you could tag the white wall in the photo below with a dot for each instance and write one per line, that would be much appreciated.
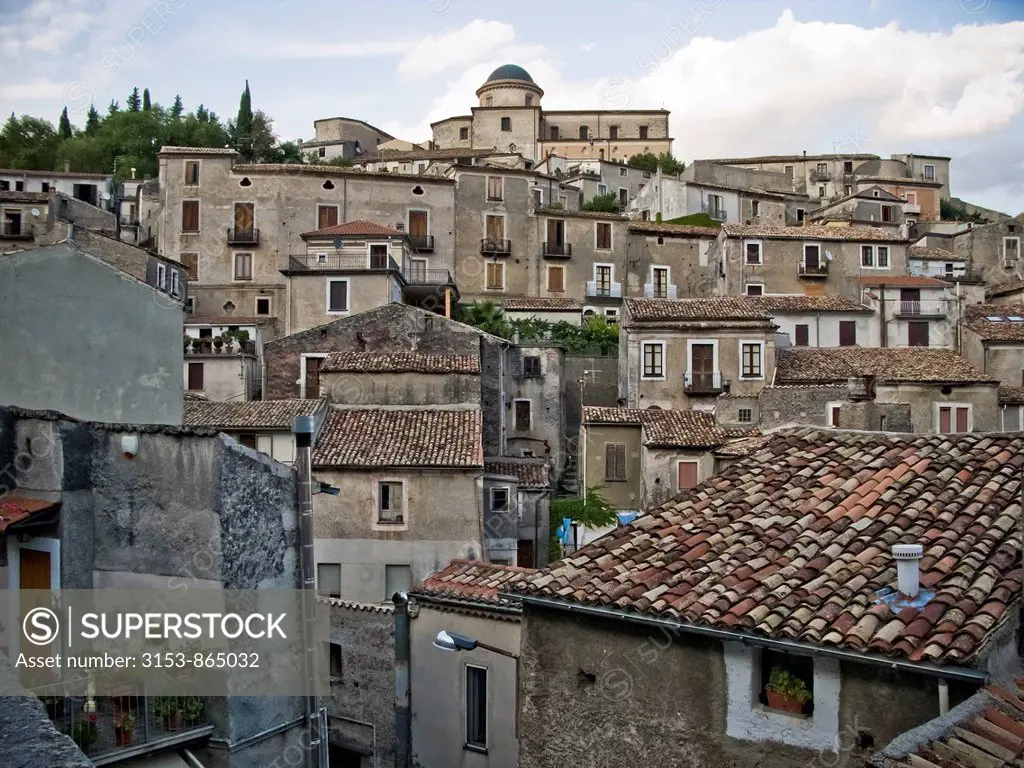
(823, 329)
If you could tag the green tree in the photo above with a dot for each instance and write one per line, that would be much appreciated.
(314, 159)
(608, 203)
(669, 165)
(289, 152)
(113, 108)
(178, 109)
(486, 315)
(92, 120)
(134, 100)
(245, 126)
(28, 142)
(645, 161)
(591, 510)
(146, 104)
(954, 210)
(65, 125)
(202, 115)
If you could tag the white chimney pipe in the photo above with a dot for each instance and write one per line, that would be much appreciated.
(908, 573)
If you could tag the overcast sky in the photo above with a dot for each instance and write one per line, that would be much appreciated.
(741, 77)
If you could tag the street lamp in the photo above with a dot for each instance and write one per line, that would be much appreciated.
(450, 641)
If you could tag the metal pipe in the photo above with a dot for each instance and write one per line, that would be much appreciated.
(943, 697)
(403, 711)
(248, 741)
(976, 676)
(303, 430)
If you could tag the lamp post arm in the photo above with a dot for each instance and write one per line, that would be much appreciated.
(494, 649)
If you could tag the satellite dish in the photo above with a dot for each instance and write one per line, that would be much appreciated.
(337, 242)
(35, 211)
(828, 255)
(105, 195)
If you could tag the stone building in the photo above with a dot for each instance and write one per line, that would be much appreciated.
(343, 137)
(684, 353)
(670, 261)
(523, 486)
(109, 349)
(96, 189)
(911, 310)
(510, 117)
(821, 321)
(872, 207)
(812, 259)
(665, 638)
(993, 340)
(263, 425)
(22, 217)
(994, 249)
(932, 261)
(604, 177)
(667, 198)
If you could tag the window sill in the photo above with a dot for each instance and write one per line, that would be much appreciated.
(391, 523)
(652, 378)
(339, 312)
(783, 713)
(751, 378)
(475, 748)
(616, 480)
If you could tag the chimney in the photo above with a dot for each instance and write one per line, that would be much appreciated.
(908, 559)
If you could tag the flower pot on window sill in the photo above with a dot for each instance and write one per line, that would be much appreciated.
(785, 703)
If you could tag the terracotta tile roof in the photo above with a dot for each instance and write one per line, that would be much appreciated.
(1011, 395)
(302, 169)
(14, 509)
(794, 542)
(990, 734)
(667, 428)
(902, 281)
(473, 581)
(527, 303)
(10, 196)
(781, 305)
(399, 362)
(561, 213)
(1001, 330)
(355, 228)
(531, 473)
(352, 605)
(381, 437)
(662, 228)
(1004, 288)
(197, 151)
(813, 232)
(52, 174)
(907, 364)
(743, 446)
(400, 156)
(718, 308)
(786, 159)
(255, 414)
(931, 253)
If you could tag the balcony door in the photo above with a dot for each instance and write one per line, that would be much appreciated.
(556, 232)
(244, 218)
(812, 258)
(702, 366)
(910, 301)
(496, 230)
(418, 226)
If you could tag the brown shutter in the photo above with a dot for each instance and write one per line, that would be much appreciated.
(339, 296)
(418, 223)
(556, 279)
(687, 474)
(313, 377)
(847, 333)
(191, 262)
(917, 333)
(614, 461)
(961, 419)
(195, 377)
(944, 419)
(327, 216)
(836, 411)
(190, 216)
(803, 335)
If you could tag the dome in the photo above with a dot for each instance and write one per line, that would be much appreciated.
(510, 72)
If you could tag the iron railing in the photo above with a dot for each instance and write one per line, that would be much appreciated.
(703, 382)
(492, 246)
(603, 289)
(248, 236)
(558, 249)
(422, 242)
(334, 261)
(415, 276)
(660, 291)
(918, 308)
(814, 270)
(819, 175)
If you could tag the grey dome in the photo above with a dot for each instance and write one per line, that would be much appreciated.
(510, 72)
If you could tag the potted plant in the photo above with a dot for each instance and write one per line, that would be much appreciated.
(229, 341)
(786, 691)
(124, 726)
(178, 712)
(188, 343)
(218, 343)
(84, 731)
(243, 340)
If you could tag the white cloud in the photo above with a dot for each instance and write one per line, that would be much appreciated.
(438, 53)
(588, 46)
(34, 89)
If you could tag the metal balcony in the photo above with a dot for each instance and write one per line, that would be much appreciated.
(926, 308)
(718, 214)
(703, 383)
(311, 262)
(422, 243)
(818, 175)
(652, 291)
(247, 237)
(414, 276)
(15, 231)
(814, 272)
(557, 250)
(493, 247)
(602, 290)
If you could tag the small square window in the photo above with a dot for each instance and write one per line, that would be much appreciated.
(753, 252)
(262, 305)
(389, 509)
(192, 173)
(531, 366)
(464, 134)
(322, 152)
(499, 499)
(745, 415)
(755, 289)
(654, 360)
(506, 124)
(328, 579)
(751, 361)
(787, 682)
(335, 661)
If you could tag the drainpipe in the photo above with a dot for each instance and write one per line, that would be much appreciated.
(943, 697)
(881, 309)
(303, 430)
(403, 711)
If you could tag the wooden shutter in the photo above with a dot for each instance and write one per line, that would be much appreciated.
(522, 415)
(556, 279)
(339, 296)
(836, 411)
(191, 262)
(961, 419)
(604, 235)
(245, 217)
(614, 461)
(195, 377)
(313, 376)
(190, 216)
(418, 223)
(945, 418)
(917, 333)
(495, 228)
(326, 216)
(847, 333)
(687, 474)
(802, 335)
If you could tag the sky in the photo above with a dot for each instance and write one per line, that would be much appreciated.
(740, 77)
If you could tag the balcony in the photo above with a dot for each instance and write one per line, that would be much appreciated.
(817, 271)
(557, 250)
(245, 237)
(10, 231)
(911, 208)
(422, 243)
(415, 276)
(492, 247)
(652, 291)
(707, 383)
(917, 309)
(603, 290)
(312, 262)
(123, 727)
(819, 175)
(715, 212)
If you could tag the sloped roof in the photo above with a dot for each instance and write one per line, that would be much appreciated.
(813, 232)
(676, 230)
(717, 308)
(667, 428)
(355, 228)
(906, 364)
(1011, 395)
(197, 151)
(399, 362)
(382, 437)
(14, 509)
(255, 414)
(794, 542)
(1005, 288)
(902, 281)
(473, 581)
(931, 253)
(1004, 329)
(781, 305)
(539, 304)
(531, 473)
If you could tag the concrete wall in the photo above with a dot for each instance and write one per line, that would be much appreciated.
(401, 388)
(522, 137)
(626, 494)
(546, 394)
(446, 133)
(624, 691)
(366, 291)
(443, 520)
(124, 367)
(660, 472)
(691, 273)
(823, 328)
(731, 176)
(924, 399)
(225, 376)
(439, 732)
(343, 129)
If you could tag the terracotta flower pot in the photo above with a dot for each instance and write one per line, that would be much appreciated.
(175, 721)
(778, 700)
(122, 737)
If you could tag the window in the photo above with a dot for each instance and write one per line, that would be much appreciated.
(326, 216)
(463, 134)
(874, 193)
(192, 173)
(602, 189)
(45, 186)
(337, 296)
(195, 377)
(328, 579)
(529, 100)
(847, 190)
(553, 132)
(867, 256)
(802, 333)
(887, 213)
(322, 152)
(643, 131)
(751, 357)
(499, 499)
(243, 266)
(847, 333)
(1012, 418)
(378, 256)
(5, 186)
(755, 207)
(788, 170)
(686, 475)
(623, 197)
(397, 578)
(832, 413)
(822, 169)
(190, 216)
(883, 257)
(715, 207)
(489, 101)
(506, 124)
(19, 186)
(161, 276)
(745, 415)
(622, 171)
(755, 289)
(531, 366)
(191, 262)
(615, 462)
(476, 707)
(752, 250)
(389, 503)
(929, 172)
(175, 285)
(821, 190)
(812, 258)
(954, 418)
(521, 412)
(262, 305)
(659, 281)
(847, 166)
(584, 133)
(495, 276)
(800, 667)
(911, 197)
(334, 651)
(603, 279)
(494, 188)
(654, 360)
(1011, 248)
(603, 236)
(311, 375)
(917, 333)
(556, 279)
(800, 215)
